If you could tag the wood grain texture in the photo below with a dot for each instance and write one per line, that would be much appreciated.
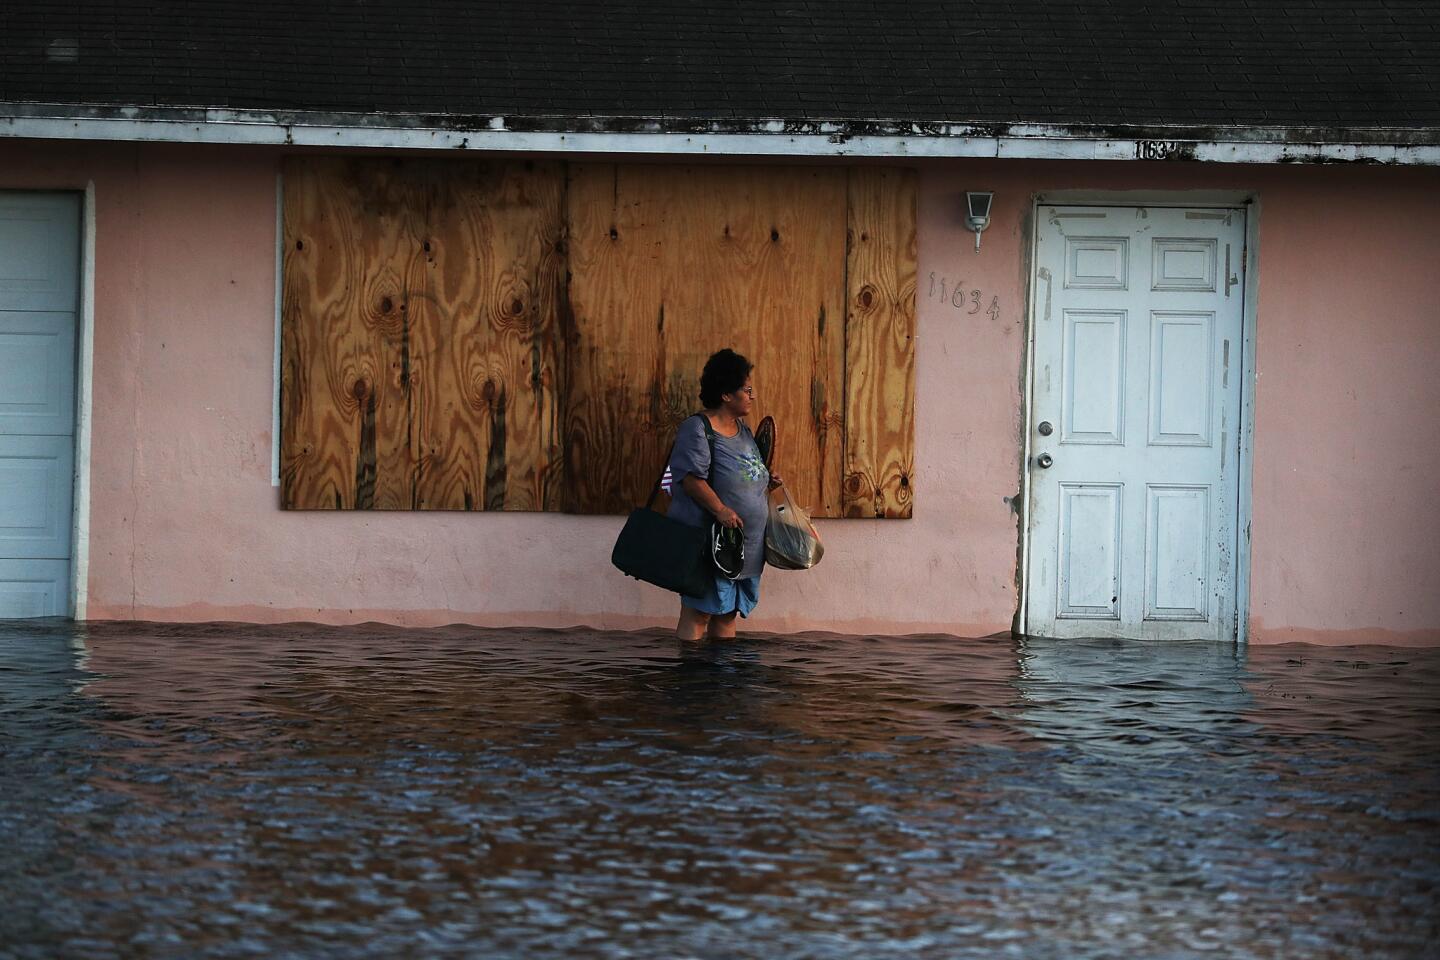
(669, 264)
(880, 344)
(479, 335)
(420, 356)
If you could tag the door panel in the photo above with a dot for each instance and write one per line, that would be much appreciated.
(1094, 376)
(1132, 525)
(36, 475)
(1177, 567)
(1183, 265)
(39, 247)
(1181, 358)
(1096, 263)
(34, 588)
(1090, 545)
(37, 386)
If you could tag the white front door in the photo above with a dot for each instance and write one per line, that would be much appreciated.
(1135, 422)
(39, 294)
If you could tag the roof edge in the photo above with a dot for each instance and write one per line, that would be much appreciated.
(724, 136)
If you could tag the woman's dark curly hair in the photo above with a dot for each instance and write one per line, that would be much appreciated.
(725, 372)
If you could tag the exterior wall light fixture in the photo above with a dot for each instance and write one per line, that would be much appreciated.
(977, 217)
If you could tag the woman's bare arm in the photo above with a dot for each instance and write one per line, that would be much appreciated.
(702, 493)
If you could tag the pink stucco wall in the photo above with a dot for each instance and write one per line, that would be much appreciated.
(184, 522)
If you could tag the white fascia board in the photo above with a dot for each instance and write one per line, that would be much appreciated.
(760, 138)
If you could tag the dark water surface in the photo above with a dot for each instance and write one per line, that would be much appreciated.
(301, 791)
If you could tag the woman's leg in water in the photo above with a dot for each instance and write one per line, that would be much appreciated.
(722, 626)
(692, 624)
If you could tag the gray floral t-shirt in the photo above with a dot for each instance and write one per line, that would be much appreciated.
(738, 477)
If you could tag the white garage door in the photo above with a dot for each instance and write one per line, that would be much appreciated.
(39, 297)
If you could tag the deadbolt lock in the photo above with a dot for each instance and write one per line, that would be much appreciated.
(1045, 428)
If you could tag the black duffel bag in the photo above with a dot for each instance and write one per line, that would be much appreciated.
(670, 554)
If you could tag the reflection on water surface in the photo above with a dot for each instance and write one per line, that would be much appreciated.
(241, 791)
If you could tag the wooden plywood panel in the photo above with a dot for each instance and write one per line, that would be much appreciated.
(346, 276)
(880, 344)
(669, 264)
(420, 339)
(486, 415)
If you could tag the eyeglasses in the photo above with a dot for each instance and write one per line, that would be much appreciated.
(748, 391)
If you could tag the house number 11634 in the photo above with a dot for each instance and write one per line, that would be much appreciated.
(961, 297)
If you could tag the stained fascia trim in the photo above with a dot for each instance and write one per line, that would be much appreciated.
(624, 135)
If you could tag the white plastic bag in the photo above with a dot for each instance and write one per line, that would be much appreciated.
(791, 540)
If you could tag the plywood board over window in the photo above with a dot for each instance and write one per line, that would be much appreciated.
(669, 264)
(527, 336)
(420, 335)
(880, 344)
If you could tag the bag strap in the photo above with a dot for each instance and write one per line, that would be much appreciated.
(710, 436)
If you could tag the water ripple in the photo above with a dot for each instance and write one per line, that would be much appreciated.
(227, 790)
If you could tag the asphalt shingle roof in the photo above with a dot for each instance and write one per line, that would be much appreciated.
(1326, 63)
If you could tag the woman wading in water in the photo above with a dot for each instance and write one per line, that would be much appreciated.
(732, 489)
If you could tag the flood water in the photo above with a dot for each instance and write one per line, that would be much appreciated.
(227, 790)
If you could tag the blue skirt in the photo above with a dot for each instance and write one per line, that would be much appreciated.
(727, 596)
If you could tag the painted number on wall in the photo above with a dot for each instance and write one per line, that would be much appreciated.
(1156, 149)
(961, 297)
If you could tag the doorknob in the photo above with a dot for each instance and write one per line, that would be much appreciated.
(1045, 461)
(1045, 428)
